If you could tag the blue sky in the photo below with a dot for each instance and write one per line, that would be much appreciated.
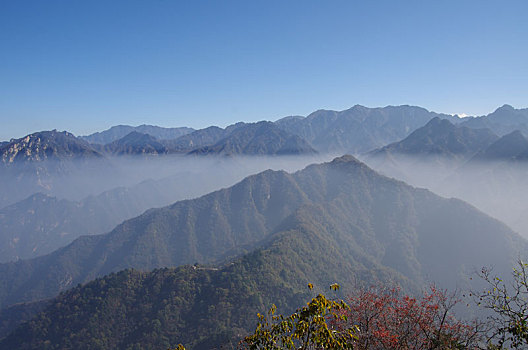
(84, 66)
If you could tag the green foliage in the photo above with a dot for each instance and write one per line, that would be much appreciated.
(306, 328)
(339, 221)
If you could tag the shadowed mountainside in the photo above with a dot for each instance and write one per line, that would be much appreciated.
(410, 231)
(358, 129)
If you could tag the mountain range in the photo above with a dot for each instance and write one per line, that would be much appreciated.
(44, 161)
(358, 129)
(441, 138)
(262, 138)
(510, 147)
(472, 164)
(502, 121)
(267, 237)
(258, 242)
(119, 131)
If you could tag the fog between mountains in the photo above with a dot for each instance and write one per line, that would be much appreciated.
(498, 188)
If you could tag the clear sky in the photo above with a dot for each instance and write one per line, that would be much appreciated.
(84, 66)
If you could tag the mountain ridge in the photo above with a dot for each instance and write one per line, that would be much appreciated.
(231, 221)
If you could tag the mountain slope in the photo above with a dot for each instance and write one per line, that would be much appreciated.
(262, 138)
(502, 121)
(197, 138)
(120, 131)
(46, 145)
(439, 137)
(384, 231)
(47, 161)
(383, 220)
(508, 147)
(358, 129)
(136, 143)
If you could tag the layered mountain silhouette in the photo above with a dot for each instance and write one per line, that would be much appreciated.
(333, 222)
(512, 146)
(358, 129)
(406, 230)
(136, 143)
(202, 138)
(441, 138)
(41, 223)
(46, 145)
(262, 138)
(502, 121)
(119, 131)
(44, 161)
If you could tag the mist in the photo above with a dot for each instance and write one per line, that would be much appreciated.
(93, 196)
(498, 188)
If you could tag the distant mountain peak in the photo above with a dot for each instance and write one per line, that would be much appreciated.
(505, 107)
(440, 137)
(45, 145)
(506, 148)
(260, 138)
(135, 143)
(119, 131)
(135, 135)
(347, 158)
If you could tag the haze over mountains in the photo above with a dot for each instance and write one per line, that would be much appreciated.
(502, 121)
(475, 165)
(117, 132)
(77, 209)
(376, 228)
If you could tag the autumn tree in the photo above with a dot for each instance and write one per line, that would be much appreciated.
(374, 318)
(385, 319)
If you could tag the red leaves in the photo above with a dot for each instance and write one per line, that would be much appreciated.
(387, 320)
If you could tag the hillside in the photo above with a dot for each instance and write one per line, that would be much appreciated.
(502, 121)
(262, 138)
(441, 138)
(394, 225)
(119, 131)
(46, 145)
(358, 129)
(382, 231)
(200, 138)
(47, 161)
(136, 143)
(508, 148)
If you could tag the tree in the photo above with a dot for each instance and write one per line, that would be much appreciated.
(387, 320)
(307, 328)
(374, 318)
(509, 305)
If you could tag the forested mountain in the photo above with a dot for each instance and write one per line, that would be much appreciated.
(350, 225)
(472, 164)
(358, 129)
(117, 132)
(136, 143)
(511, 146)
(41, 223)
(378, 220)
(200, 138)
(502, 121)
(262, 138)
(441, 138)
